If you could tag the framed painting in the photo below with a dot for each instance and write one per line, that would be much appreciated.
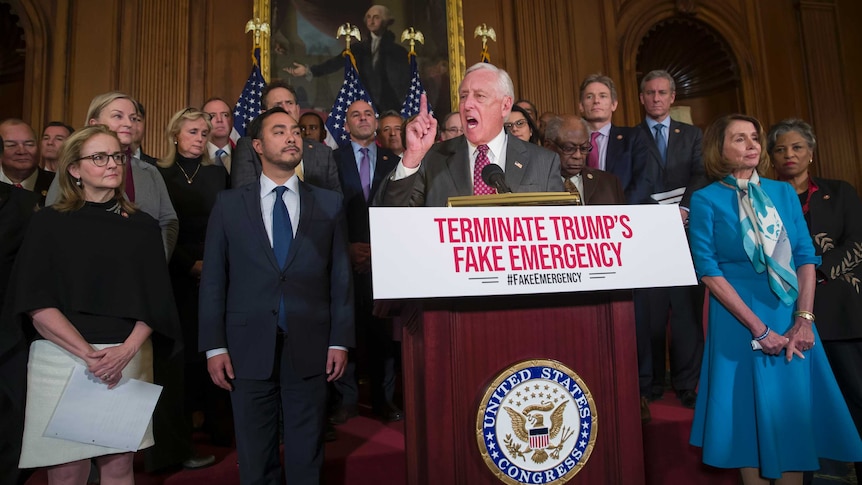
(303, 33)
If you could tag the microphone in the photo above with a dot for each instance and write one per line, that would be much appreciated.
(493, 175)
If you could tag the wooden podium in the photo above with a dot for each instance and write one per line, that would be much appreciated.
(453, 349)
(502, 298)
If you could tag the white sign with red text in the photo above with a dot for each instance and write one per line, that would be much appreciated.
(428, 252)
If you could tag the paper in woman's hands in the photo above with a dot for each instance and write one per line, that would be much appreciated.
(88, 412)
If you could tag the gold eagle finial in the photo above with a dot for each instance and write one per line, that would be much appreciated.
(347, 31)
(258, 27)
(413, 36)
(485, 33)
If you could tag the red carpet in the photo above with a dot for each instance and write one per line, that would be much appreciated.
(668, 458)
(368, 452)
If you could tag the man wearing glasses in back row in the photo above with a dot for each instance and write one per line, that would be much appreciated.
(569, 136)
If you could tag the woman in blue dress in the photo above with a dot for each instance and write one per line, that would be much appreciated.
(768, 402)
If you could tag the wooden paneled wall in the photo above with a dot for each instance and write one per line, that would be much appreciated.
(797, 58)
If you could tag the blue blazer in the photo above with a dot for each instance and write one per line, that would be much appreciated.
(242, 284)
(624, 144)
(355, 204)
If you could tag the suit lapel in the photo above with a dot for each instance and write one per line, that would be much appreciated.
(251, 200)
(589, 185)
(349, 173)
(386, 162)
(458, 163)
(516, 162)
(653, 147)
(306, 209)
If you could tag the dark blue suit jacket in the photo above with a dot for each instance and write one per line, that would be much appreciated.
(355, 204)
(621, 160)
(684, 164)
(241, 284)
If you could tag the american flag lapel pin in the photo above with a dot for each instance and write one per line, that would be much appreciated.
(518, 164)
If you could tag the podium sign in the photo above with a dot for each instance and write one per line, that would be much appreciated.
(428, 252)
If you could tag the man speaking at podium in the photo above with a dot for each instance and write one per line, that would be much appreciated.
(430, 173)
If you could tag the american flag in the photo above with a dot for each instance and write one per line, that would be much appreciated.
(351, 90)
(248, 105)
(411, 102)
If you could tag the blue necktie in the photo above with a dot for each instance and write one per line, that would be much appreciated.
(661, 141)
(282, 236)
(219, 154)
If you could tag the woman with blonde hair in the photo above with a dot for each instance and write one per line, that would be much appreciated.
(193, 182)
(143, 185)
(768, 401)
(92, 279)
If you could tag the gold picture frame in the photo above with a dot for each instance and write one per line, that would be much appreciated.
(454, 38)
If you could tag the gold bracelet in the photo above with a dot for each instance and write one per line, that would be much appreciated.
(804, 314)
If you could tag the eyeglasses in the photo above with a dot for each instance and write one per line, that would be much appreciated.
(454, 130)
(570, 148)
(203, 114)
(519, 124)
(101, 159)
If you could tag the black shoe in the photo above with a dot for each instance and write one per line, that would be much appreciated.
(646, 416)
(343, 414)
(656, 393)
(329, 433)
(688, 398)
(196, 462)
(391, 414)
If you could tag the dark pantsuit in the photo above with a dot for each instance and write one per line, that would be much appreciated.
(257, 406)
(652, 307)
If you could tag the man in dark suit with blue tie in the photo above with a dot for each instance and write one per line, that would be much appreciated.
(362, 166)
(614, 147)
(276, 306)
(671, 157)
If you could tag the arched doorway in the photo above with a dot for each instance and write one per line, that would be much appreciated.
(706, 72)
(12, 62)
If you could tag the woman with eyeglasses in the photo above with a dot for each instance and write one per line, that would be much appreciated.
(143, 185)
(92, 278)
(520, 125)
(193, 183)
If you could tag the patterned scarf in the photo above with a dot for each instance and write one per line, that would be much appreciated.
(765, 238)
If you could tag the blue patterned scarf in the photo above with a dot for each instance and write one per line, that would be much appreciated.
(765, 238)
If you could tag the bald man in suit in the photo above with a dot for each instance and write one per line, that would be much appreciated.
(430, 173)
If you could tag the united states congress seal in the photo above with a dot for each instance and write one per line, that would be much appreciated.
(536, 423)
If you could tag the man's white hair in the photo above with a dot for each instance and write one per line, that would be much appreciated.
(504, 83)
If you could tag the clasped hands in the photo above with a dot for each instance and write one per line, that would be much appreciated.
(108, 364)
(798, 339)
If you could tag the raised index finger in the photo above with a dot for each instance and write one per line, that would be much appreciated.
(423, 105)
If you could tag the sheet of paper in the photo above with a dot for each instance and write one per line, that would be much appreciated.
(89, 412)
(669, 197)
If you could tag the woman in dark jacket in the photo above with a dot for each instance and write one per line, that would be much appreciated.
(833, 212)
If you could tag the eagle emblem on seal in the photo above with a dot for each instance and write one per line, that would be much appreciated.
(530, 429)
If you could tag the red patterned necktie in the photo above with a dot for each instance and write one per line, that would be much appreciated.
(593, 157)
(482, 161)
